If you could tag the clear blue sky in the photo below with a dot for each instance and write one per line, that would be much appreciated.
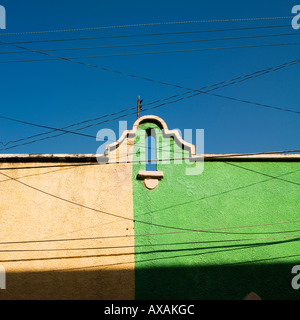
(59, 93)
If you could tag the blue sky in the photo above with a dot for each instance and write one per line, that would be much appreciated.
(59, 93)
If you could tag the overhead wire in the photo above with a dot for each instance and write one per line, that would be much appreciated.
(237, 156)
(296, 236)
(228, 248)
(45, 127)
(158, 43)
(198, 91)
(213, 230)
(153, 52)
(141, 77)
(58, 129)
(160, 234)
(149, 79)
(239, 247)
(167, 233)
(150, 34)
(69, 201)
(147, 25)
(137, 261)
(261, 173)
(128, 74)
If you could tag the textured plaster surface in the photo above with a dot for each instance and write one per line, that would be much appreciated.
(52, 249)
(220, 264)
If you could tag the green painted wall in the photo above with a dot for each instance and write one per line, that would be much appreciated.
(210, 265)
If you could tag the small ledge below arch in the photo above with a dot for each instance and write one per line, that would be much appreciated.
(151, 178)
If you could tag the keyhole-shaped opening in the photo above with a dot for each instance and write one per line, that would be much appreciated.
(151, 177)
(150, 145)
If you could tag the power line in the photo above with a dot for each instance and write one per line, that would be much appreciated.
(296, 236)
(61, 58)
(157, 43)
(88, 120)
(154, 52)
(196, 158)
(254, 154)
(78, 62)
(45, 127)
(233, 227)
(275, 68)
(213, 230)
(238, 79)
(60, 134)
(254, 103)
(135, 76)
(261, 173)
(150, 34)
(65, 131)
(198, 92)
(159, 234)
(227, 249)
(221, 85)
(148, 25)
(58, 129)
(238, 156)
(215, 157)
(239, 247)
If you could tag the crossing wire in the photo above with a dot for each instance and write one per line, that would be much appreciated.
(158, 43)
(149, 34)
(213, 230)
(136, 76)
(261, 173)
(296, 237)
(153, 52)
(237, 156)
(148, 25)
(198, 91)
(128, 74)
(41, 52)
(161, 234)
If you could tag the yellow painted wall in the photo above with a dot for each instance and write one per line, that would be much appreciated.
(77, 268)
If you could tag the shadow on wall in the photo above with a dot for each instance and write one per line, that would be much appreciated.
(69, 285)
(268, 281)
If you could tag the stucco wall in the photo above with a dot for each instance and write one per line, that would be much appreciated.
(39, 265)
(219, 263)
(54, 246)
